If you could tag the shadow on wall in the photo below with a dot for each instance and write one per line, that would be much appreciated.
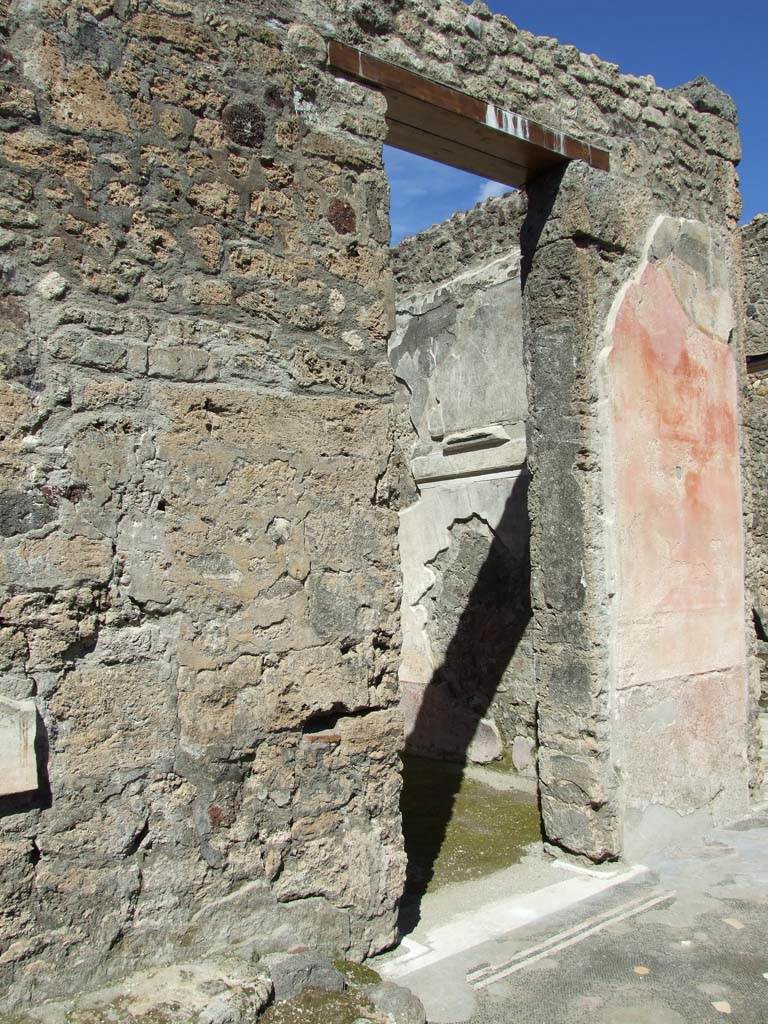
(461, 691)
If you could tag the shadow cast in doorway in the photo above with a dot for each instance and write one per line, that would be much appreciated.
(460, 694)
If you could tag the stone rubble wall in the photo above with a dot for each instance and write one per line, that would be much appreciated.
(467, 239)
(678, 144)
(754, 255)
(467, 663)
(197, 497)
(199, 470)
(755, 264)
(583, 236)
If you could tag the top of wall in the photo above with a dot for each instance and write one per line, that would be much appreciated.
(488, 230)
(755, 261)
(680, 143)
(678, 146)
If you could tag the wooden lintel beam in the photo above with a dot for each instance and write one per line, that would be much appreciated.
(461, 132)
(464, 119)
(435, 147)
(757, 364)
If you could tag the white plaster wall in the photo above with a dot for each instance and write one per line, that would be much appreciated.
(457, 348)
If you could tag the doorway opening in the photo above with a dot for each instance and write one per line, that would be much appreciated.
(469, 800)
(467, 670)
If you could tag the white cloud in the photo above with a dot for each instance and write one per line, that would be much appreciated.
(423, 192)
(490, 189)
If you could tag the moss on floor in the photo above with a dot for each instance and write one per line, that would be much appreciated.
(502, 765)
(458, 829)
(314, 1006)
(356, 974)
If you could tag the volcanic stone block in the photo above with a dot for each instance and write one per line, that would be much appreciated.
(397, 1003)
(293, 972)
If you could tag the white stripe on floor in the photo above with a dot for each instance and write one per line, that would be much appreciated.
(479, 972)
(545, 949)
(497, 918)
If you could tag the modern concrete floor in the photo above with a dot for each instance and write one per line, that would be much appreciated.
(682, 939)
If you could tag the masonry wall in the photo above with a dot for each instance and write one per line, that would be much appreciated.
(754, 254)
(466, 670)
(199, 565)
(755, 263)
(200, 477)
(583, 237)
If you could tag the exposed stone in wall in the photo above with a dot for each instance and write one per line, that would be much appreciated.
(198, 467)
(707, 98)
(568, 288)
(671, 142)
(755, 264)
(199, 569)
(468, 239)
(467, 667)
(754, 253)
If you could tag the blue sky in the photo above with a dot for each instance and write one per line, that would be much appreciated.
(674, 41)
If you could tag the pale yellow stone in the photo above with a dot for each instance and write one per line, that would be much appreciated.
(209, 133)
(82, 101)
(214, 198)
(212, 293)
(123, 194)
(176, 31)
(208, 241)
(170, 123)
(32, 148)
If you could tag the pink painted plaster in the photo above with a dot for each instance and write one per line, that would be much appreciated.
(680, 629)
(678, 492)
